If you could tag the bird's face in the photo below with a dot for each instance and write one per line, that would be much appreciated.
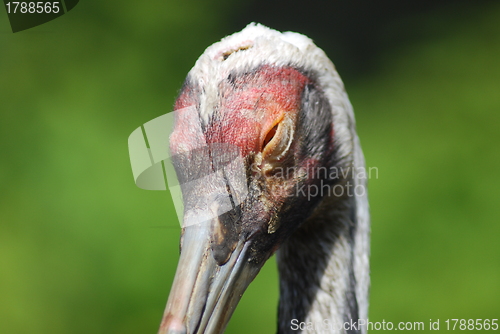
(245, 167)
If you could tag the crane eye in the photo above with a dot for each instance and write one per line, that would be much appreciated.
(278, 140)
(270, 135)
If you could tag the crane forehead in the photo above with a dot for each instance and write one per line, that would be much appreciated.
(246, 105)
(267, 84)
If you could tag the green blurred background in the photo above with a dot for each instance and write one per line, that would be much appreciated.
(83, 250)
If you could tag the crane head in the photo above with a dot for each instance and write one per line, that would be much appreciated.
(259, 121)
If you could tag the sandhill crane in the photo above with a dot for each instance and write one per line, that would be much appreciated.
(276, 101)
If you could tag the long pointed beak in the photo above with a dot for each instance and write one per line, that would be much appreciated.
(204, 294)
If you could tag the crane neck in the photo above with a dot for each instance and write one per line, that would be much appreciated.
(324, 267)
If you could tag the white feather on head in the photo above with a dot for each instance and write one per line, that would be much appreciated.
(257, 45)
